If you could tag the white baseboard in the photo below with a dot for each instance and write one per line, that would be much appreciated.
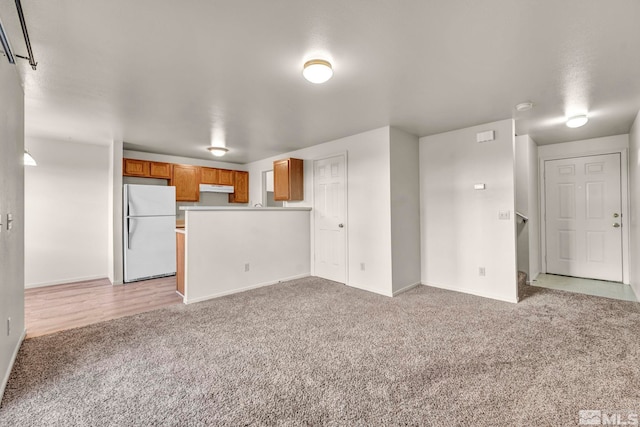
(247, 288)
(406, 288)
(64, 282)
(7, 374)
(474, 292)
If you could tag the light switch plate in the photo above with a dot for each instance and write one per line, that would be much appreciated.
(478, 186)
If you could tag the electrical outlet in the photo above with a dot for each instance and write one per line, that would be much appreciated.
(504, 214)
(362, 266)
(481, 271)
(246, 267)
(8, 326)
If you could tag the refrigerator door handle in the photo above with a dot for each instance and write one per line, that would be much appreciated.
(129, 233)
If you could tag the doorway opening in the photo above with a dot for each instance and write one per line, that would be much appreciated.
(268, 199)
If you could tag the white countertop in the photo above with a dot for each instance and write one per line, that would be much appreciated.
(237, 208)
(180, 230)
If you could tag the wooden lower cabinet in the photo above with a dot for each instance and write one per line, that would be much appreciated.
(240, 187)
(180, 263)
(186, 179)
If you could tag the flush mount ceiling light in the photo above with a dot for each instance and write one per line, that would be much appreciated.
(28, 160)
(218, 151)
(524, 106)
(317, 71)
(577, 121)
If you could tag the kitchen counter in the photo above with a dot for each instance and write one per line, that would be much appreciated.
(243, 209)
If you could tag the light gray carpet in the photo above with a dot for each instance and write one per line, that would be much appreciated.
(313, 352)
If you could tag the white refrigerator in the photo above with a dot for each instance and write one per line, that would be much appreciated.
(149, 231)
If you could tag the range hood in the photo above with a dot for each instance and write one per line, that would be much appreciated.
(213, 188)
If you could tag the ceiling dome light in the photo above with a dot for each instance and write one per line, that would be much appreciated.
(524, 106)
(218, 151)
(317, 71)
(577, 121)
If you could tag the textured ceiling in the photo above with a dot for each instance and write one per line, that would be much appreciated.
(173, 76)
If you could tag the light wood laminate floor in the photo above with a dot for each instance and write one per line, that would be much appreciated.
(56, 308)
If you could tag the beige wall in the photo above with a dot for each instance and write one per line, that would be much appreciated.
(459, 226)
(11, 201)
(67, 212)
(634, 202)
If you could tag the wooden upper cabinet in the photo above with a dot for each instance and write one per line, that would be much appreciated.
(240, 187)
(209, 176)
(160, 170)
(133, 167)
(225, 177)
(288, 180)
(146, 169)
(186, 179)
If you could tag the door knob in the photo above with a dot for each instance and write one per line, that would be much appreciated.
(341, 225)
(615, 215)
(616, 225)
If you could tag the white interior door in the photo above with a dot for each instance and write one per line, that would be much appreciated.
(583, 217)
(330, 218)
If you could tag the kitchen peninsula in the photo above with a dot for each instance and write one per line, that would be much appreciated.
(233, 249)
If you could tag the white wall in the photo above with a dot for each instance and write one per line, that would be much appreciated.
(460, 229)
(141, 155)
(114, 257)
(66, 212)
(533, 210)
(527, 204)
(587, 147)
(522, 201)
(369, 192)
(275, 244)
(405, 210)
(634, 191)
(11, 201)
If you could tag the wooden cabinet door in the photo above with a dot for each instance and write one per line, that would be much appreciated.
(281, 180)
(225, 177)
(160, 170)
(240, 187)
(209, 176)
(288, 179)
(186, 179)
(133, 167)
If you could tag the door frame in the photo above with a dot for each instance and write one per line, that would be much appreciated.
(624, 199)
(343, 154)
